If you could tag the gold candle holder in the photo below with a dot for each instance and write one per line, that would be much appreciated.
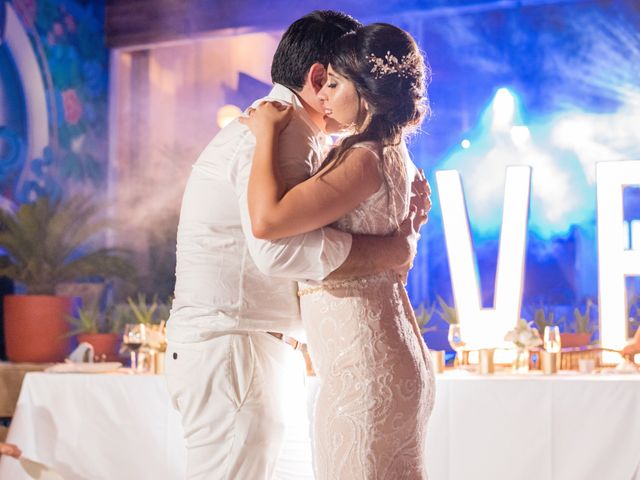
(159, 362)
(485, 363)
(550, 361)
(465, 357)
(437, 358)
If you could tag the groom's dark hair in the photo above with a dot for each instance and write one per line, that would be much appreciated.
(308, 40)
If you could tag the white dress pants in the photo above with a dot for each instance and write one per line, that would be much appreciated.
(243, 404)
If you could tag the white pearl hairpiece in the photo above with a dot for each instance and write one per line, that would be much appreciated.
(408, 66)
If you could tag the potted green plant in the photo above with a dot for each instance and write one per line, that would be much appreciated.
(424, 318)
(46, 243)
(544, 317)
(448, 313)
(581, 336)
(153, 315)
(100, 330)
(143, 311)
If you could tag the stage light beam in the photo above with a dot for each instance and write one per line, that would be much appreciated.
(520, 135)
(504, 110)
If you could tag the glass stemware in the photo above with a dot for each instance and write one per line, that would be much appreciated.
(134, 337)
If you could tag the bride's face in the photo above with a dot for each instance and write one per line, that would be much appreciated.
(340, 100)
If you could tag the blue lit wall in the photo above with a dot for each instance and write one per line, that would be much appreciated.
(573, 71)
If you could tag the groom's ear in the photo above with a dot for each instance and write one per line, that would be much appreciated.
(317, 76)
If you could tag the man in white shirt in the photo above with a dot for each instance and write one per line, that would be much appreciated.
(232, 370)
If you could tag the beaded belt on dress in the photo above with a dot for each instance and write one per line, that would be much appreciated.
(337, 284)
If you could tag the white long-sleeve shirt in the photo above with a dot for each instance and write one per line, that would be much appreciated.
(226, 279)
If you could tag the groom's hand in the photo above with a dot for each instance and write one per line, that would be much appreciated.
(409, 229)
(372, 254)
(408, 234)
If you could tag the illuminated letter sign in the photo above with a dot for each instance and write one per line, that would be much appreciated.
(486, 327)
(614, 262)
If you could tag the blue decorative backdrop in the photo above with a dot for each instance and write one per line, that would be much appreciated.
(67, 39)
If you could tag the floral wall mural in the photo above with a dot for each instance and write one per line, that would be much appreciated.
(54, 75)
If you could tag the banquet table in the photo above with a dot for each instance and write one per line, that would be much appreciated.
(557, 427)
(515, 427)
(97, 427)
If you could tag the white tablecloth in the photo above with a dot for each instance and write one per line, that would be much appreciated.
(97, 427)
(94, 427)
(521, 427)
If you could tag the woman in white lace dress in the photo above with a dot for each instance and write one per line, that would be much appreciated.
(377, 386)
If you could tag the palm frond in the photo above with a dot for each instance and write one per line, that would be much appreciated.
(104, 262)
(50, 241)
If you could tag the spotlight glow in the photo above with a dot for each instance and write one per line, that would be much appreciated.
(226, 114)
(520, 135)
(504, 109)
(465, 143)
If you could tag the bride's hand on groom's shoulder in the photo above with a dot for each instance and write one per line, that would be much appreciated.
(10, 449)
(267, 118)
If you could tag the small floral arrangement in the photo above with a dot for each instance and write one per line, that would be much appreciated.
(524, 336)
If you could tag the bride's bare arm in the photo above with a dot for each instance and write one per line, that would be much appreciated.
(365, 255)
(312, 204)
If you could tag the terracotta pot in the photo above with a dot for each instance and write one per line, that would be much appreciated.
(103, 344)
(35, 327)
(575, 339)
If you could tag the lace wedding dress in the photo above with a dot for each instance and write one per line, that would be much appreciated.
(376, 379)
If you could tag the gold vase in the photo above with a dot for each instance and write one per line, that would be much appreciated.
(550, 361)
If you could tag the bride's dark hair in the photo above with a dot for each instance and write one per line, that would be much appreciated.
(391, 76)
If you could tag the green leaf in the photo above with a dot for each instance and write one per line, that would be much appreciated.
(48, 242)
(447, 313)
